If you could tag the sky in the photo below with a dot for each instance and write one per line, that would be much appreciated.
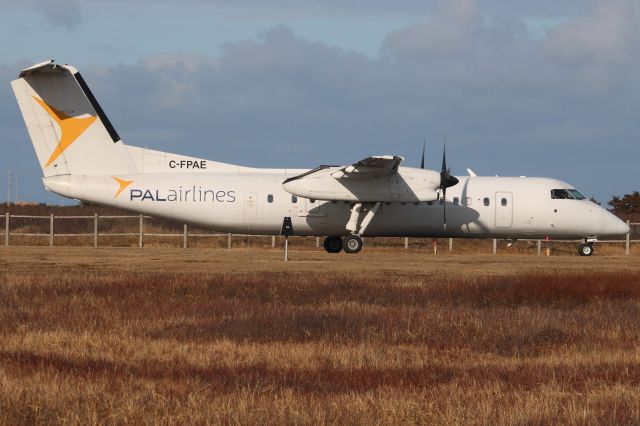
(543, 88)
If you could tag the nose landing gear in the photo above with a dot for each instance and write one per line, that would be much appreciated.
(585, 249)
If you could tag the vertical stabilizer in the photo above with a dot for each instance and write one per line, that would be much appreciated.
(69, 130)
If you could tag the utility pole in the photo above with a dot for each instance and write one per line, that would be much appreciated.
(9, 180)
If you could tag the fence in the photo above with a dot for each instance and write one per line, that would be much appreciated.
(95, 235)
(141, 234)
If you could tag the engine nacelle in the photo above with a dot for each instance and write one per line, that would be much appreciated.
(407, 185)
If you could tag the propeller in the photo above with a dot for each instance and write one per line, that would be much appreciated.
(424, 144)
(446, 180)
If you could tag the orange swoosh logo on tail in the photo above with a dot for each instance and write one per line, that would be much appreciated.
(71, 128)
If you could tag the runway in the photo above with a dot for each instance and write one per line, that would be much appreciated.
(392, 260)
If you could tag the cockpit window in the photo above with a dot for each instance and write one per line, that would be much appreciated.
(566, 194)
(560, 194)
(576, 194)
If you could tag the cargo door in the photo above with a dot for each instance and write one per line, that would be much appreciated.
(504, 209)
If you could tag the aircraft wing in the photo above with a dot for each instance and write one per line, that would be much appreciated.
(375, 166)
(373, 179)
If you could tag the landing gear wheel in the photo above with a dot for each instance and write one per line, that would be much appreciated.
(585, 249)
(333, 244)
(352, 244)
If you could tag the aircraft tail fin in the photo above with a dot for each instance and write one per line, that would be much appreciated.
(69, 130)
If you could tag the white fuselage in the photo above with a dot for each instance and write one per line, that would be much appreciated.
(253, 201)
(83, 157)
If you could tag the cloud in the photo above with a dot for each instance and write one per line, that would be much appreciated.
(610, 33)
(563, 105)
(60, 13)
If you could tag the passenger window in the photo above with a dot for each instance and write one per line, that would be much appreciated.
(486, 201)
(294, 199)
(456, 201)
(311, 200)
(503, 202)
(270, 198)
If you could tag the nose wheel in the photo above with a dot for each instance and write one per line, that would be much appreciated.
(585, 249)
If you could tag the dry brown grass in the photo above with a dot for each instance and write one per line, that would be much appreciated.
(214, 336)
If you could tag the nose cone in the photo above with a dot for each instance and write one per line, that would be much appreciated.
(614, 226)
(626, 229)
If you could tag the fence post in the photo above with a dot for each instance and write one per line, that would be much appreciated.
(628, 242)
(286, 248)
(495, 246)
(450, 244)
(185, 236)
(6, 228)
(51, 230)
(406, 242)
(95, 230)
(273, 241)
(539, 244)
(229, 241)
(140, 232)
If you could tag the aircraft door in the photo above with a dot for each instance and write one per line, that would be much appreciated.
(504, 209)
(251, 211)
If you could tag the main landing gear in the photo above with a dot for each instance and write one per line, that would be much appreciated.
(333, 244)
(359, 220)
(585, 249)
(350, 244)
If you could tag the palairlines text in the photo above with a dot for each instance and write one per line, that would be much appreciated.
(193, 194)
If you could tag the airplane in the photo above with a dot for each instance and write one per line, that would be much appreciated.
(83, 157)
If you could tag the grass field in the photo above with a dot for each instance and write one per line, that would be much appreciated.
(165, 336)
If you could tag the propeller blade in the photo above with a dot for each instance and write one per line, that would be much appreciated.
(444, 208)
(424, 144)
(446, 181)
